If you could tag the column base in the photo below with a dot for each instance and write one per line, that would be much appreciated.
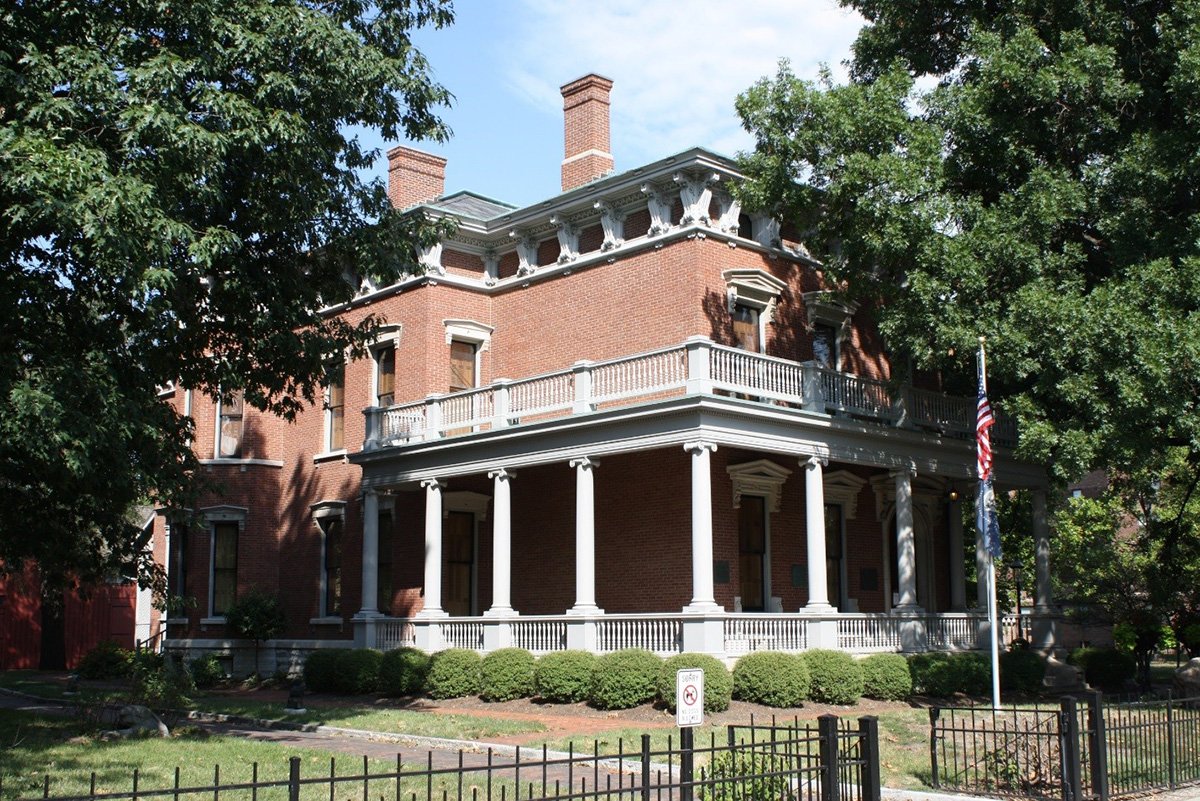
(585, 610)
(703, 608)
(825, 608)
(501, 611)
(431, 614)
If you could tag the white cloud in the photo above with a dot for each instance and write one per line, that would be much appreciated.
(676, 67)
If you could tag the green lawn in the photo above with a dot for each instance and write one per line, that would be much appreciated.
(398, 721)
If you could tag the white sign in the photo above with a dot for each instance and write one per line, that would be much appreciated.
(689, 697)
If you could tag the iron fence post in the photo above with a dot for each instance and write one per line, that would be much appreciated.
(827, 727)
(1097, 747)
(685, 763)
(1170, 744)
(645, 768)
(294, 779)
(1068, 734)
(934, 714)
(868, 732)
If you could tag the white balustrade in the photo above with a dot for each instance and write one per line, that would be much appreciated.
(393, 633)
(869, 633)
(539, 636)
(643, 374)
(463, 634)
(698, 366)
(765, 632)
(951, 632)
(662, 635)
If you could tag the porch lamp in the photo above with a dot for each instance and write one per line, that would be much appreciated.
(1016, 565)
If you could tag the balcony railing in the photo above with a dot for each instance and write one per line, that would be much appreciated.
(697, 366)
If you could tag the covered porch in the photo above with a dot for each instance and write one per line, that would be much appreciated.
(682, 513)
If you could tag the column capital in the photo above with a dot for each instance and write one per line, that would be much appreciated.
(502, 473)
(586, 462)
(814, 461)
(433, 483)
(698, 445)
(909, 469)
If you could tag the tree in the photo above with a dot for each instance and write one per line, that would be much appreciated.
(1026, 171)
(180, 197)
(1041, 191)
(258, 616)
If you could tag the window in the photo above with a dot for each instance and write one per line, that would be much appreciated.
(462, 366)
(224, 567)
(385, 376)
(230, 427)
(177, 561)
(383, 599)
(746, 332)
(332, 567)
(834, 554)
(335, 406)
(825, 346)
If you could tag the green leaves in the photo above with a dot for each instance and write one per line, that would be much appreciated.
(178, 202)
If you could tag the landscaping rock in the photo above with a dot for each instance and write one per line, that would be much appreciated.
(1187, 680)
(134, 720)
(1062, 677)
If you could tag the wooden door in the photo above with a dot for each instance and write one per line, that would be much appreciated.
(458, 563)
(752, 541)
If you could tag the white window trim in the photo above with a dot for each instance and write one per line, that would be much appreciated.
(755, 289)
(217, 457)
(325, 511)
(212, 516)
(471, 331)
(388, 337)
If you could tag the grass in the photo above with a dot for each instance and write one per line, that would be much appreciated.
(397, 721)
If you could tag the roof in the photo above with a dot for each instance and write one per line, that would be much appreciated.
(470, 204)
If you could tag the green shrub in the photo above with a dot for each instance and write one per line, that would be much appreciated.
(207, 671)
(1022, 671)
(402, 671)
(357, 671)
(624, 679)
(257, 615)
(772, 678)
(942, 675)
(718, 684)
(565, 677)
(886, 677)
(1189, 638)
(321, 670)
(836, 677)
(162, 684)
(106, 661)
(453, 673)
(506, 674)
(749, 774)
(1107, 668)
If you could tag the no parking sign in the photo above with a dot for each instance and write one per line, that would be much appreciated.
(689, 697)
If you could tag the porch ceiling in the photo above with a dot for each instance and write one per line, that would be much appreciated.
(726, 421)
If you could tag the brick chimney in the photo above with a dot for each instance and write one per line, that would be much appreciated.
(414, 177)
(586, 151)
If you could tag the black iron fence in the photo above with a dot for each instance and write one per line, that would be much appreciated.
(1076, 751)
(833, 760)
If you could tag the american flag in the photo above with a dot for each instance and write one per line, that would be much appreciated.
(985, 507)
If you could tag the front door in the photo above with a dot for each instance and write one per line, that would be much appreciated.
(752, 542)
(458, 564)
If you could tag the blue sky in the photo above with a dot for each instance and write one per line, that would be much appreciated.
(676, 68)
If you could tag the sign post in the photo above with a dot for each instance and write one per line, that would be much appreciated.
(689, 712)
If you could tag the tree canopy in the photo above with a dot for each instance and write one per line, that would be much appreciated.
(179, 197)
(1026, 171)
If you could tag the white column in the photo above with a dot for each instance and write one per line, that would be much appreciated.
(958, 577)
(703, 599)
(585, 537)
(1043, 599)
(501, 544)
(433, 549)
(370, 554)
(906, 549)
(814, 502)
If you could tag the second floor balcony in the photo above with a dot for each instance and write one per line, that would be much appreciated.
(695, 367)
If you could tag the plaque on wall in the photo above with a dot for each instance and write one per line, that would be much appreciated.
(799, 576)
(721, 572)
(868, 579)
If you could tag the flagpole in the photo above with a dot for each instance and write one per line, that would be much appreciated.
(993, 616)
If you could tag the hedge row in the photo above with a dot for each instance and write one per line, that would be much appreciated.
(617, 680)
